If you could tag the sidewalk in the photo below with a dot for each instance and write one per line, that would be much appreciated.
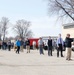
(34, 64)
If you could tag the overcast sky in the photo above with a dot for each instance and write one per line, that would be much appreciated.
(35, 11)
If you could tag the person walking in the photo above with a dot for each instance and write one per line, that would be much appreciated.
(18, 44)
(40, 43)
(68, 41)
(22, 45)
(59, 46)
(9, 45)
(28, 45)
(49, 46)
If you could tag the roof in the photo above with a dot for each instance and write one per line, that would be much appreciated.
(69, 24)
(50, 36)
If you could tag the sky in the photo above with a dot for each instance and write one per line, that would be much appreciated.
(35, 11)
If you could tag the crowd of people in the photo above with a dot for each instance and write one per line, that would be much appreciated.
(60, 45)
(4, 45)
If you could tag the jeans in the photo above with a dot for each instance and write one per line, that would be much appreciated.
(18, 49)
(50, 50)
(41, 49)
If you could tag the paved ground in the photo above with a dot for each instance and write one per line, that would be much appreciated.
(34, 64)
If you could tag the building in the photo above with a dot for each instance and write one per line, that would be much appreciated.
(45, 38)
(68, 28)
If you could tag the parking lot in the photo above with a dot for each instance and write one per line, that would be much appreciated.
(34, 63)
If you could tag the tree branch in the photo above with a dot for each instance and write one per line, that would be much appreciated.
(64, 10)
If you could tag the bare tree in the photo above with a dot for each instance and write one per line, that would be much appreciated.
(0, 31)
(62, 7)
(22, 28)
(4, 24)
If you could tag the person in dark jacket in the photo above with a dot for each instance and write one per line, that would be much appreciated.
(68, 41)
(28, 45)
(9, 45)
(49, 46)
(4, 45)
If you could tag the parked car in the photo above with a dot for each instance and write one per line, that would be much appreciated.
(72, 46)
